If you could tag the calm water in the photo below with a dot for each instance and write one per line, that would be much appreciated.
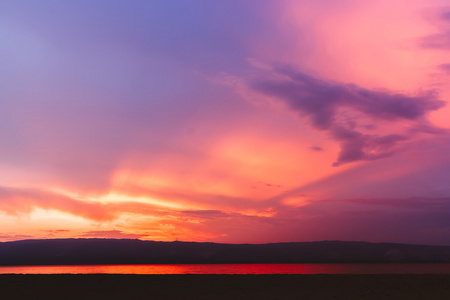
(235, 269)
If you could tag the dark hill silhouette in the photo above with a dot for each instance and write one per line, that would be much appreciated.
(124, 251)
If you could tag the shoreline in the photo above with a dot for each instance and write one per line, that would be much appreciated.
(273, 286)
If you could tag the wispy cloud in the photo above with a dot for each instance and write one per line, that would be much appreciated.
(316, 148)
(14, 237)
(22, 201)
(445, 68)
(441, 40)
(113, 234)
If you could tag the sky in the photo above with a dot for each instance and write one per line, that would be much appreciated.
(225, 121)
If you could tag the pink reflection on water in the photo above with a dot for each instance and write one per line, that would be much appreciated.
(234, 269)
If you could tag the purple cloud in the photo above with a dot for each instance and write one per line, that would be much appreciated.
(323, 104)
(357, 146)
(437, 41)
(444, 67)
(205, 214)
(440, 40)
(446, 16)
(316, 148)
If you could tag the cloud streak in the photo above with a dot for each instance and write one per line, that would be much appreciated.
(441, 40)
(388, 220)
(336, 108)
(112, 234)
(22, 201)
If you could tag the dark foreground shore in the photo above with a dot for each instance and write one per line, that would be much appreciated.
(334, 287)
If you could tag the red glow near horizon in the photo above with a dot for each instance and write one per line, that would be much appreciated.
(234, 269)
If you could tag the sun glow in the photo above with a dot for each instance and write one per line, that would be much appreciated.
(120, 198)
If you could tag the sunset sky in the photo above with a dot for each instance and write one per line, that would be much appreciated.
(235, 121)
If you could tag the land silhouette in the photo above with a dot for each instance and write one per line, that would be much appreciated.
(244, 287)
(266, 286)
(128, 251)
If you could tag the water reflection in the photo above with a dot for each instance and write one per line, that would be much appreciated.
(235, 269)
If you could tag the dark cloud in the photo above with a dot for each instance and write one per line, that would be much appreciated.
(328, 106)
(270, 184)
(205, 214)
(415, 203)
(219, 215)
(357, 146)
(316, 148)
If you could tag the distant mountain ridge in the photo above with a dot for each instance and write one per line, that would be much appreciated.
(125, 251)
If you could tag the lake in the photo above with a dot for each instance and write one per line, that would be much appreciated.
(406, 268)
